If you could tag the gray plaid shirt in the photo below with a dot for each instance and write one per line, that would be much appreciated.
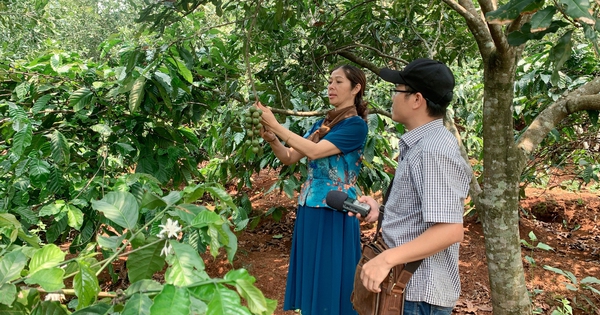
(430, 186)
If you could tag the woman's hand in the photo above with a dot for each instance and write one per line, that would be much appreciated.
(267, 118)
(268, 135)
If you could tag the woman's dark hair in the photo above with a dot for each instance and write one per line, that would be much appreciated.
(356, 76)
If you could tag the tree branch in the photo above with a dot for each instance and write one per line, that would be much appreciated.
(496, 32)
(477, 25)
(379, 52)
(359, 61)
(586, 97)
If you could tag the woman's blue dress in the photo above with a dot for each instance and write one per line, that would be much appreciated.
(326, 243)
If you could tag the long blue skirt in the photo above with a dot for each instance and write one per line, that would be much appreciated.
(325, 251)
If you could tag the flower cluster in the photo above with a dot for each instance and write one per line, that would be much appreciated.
(169, 230)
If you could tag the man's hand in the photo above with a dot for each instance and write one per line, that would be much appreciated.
(373, 215)
(374, 272)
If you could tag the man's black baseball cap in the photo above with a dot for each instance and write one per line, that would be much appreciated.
(431, 78)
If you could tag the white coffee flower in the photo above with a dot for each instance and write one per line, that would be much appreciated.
(171, 229)
(59, 297)
(167, 249)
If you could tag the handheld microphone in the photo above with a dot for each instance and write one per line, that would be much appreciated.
(340, 201)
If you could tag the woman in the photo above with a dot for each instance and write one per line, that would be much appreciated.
(326, 243)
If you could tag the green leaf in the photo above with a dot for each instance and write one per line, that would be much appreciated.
(110, 242)
(164, 81)
(142, 264)
(559, 54)
(81, 98)
(152, 201)
(143, 286)
(102, 129)
(244, 283)
(16, 309)
(570, 287)
(49, 308)
(8, 293)
(47, 257)
(186, 266)
(22, 140)
(532, 236)
(61, 153)
(215, 244)
(120, 207)
(579, 10)
(226, 301)
(171, 300)
(289, 187)
(39, 172)
(182, 69)
(189, 134)
(510, 11)
(124, 148)
(589, 279)
(52, 209)
(542, 19)
(55, 62)
(137, 94)
(172, 198)
(524, 34)
(569, 275)
(41, 103)
(18, 116)
(26, 214)
(75, 217)
(231, 243)
(138, 304)
(55, 181)
(51, 279)
(56, 229)
(257, 303)
(32, 240)
(199, 307)
(205, 218)
(22, 90)
(222, 195)
(11, 265)
(96, 309)
(86, 285)
(544, 246)
(369, 149)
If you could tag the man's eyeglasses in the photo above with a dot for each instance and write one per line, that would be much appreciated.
(394, 92)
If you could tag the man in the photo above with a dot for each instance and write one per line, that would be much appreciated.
(423, 213)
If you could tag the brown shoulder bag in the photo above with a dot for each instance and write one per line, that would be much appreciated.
(390, 301)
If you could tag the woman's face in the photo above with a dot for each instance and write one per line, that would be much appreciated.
(340, 91)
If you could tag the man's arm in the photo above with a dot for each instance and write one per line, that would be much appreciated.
(435, 239)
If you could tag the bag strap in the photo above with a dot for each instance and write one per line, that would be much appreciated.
(382, 208)
(409, 268)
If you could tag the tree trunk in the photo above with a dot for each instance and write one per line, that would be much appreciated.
(499, 201)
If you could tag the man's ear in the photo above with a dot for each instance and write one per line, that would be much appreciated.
(419, 101)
